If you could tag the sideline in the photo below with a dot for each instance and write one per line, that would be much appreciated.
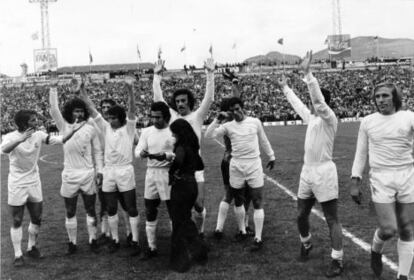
(362, 244)
(43, 159)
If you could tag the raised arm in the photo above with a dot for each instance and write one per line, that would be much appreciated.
(318, 101)
(97, 153)
(131, 100)
(54, 109)
(296, 103)
(91, 107)
(209, 95)
(156, 83)
(227, 75)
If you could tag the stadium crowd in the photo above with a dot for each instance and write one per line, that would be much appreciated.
(351, 94)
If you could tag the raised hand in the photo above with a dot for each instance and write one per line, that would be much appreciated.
(282, 81)
(209, 65)
(306, 62)
(159, 67)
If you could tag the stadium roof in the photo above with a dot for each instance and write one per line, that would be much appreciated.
(105, 68)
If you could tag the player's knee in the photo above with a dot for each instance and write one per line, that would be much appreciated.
(151, 213)
(331, 220)
(406, 232)
(70, 212)
(36, 220)
(198, 207)
(132, 212)
(17, 221)
(388, 232)
(257, 202)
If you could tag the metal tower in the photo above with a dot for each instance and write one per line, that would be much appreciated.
(336, 17)
(44, 17)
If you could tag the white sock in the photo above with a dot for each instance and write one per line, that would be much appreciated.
(405, 256)
(105, 226)
(222, 215)
(150, 229)
(127, 222)
(258, 219)
(377, 243)
(113, 226)
(33, 232)
(337, 255)
(240, 213)
(91, 225)
(71, 225)
(134, 221)
(16, 237)
(201, 219)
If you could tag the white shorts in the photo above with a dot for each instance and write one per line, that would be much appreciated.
(156, 184)
(199, 176)
(319, 181)
(118, 178)
(248, 171)
(18, 196)
(75, 181)
(392, 184)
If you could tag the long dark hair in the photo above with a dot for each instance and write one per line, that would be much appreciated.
(21, 119)
(185, 134)
(190, 98)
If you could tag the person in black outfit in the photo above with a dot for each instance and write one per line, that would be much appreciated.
(186, 244)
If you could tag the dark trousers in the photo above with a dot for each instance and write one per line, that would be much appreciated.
(186, 245)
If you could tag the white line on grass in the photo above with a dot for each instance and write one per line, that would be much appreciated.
(365, 246)
(43, 159)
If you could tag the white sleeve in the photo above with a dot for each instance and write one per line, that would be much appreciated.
(361, 152)
(321, 108)
(100, 123)
(98, 153)
(297, 104)
(142, 144)
(264, 142)
(131, 127)
(156, 88)
(55, 112)
(208, 98)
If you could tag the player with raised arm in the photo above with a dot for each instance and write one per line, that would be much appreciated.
(83, 164)
(247, 136)
(24, 186)
(119, 133)
(183, 107)
(386, 137)
(156, 143)
(318, 178)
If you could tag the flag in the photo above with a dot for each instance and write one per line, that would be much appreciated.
(159, 52)
(90, 57)
(183, 48)
(35, 36)
(280, 41)
(210, 50)
(138, 52)
(234, 46)
(376, 38)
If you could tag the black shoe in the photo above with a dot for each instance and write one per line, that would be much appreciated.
(149, 254)
(94, 246)
(114, 246)
(376, 263)
(305, 249)
(18, 262)
(257, 245)
(34, 253)
(103, 239)
(218, 235)
(402, 277)
(334, 269)
(249, 231)
(129, 241)
(239, 237)
(71, 249)
(136, 250)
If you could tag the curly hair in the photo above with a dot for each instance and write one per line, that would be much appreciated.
(118, 112)
(75, 103)
(163, 108)
(190, 98)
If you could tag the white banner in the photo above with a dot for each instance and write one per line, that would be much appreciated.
(45, 60)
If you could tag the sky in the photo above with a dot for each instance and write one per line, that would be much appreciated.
(111, 29)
